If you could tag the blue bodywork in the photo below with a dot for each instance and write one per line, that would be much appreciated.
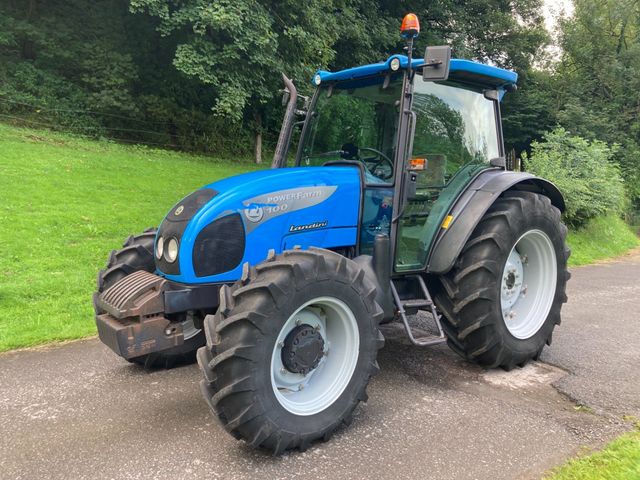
(320, 204)
(308, 206)
(493, 76)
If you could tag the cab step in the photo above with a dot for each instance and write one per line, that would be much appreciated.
(415, 304)
(420, 299)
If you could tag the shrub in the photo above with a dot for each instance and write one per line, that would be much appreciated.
(583, 171)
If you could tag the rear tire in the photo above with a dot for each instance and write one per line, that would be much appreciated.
(243, 364)
(502, 299)
(137, 254)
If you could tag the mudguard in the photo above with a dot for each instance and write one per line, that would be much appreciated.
(470, 207)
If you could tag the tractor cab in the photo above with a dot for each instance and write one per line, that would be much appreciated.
(416, 137)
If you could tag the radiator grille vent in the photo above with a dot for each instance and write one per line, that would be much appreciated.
(219, 247)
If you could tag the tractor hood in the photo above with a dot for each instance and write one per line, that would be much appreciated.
(239, 219)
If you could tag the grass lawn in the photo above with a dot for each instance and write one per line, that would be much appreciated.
(603, 237)
(620, 460)
(65, 204)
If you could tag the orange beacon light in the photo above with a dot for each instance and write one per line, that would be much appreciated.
(410, 27)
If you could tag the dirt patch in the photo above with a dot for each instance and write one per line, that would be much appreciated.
(534, 374)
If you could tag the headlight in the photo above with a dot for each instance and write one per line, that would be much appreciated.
(395, 64)
(172, 250)
(159, 248)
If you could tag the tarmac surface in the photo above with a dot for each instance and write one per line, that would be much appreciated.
(78, 411)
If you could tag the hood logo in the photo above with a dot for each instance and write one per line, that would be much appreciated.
(267, 206)
(179, 210)
(254, 214)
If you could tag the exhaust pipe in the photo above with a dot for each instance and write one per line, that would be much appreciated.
(282, 146)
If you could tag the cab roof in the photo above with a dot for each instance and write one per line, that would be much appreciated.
(463, 70)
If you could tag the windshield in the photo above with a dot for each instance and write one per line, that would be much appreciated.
(357, 123)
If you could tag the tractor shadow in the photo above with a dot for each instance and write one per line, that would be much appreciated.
(437, 366)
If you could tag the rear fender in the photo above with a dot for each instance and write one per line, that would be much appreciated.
(470, 207)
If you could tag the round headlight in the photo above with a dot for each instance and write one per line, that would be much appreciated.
(172, 250)
(159, 247)
(395, 64)
(317, 79)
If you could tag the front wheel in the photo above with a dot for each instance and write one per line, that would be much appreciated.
(291, 349)
(502, 299)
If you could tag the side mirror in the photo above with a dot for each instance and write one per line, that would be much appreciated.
(437, 61)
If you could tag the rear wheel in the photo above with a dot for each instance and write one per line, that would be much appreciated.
(502, 299)
(137, 254)
(291, 349)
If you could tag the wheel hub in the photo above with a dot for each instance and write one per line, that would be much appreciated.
(303, 349)
(512, 282)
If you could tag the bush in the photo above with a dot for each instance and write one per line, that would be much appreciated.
(583, 171)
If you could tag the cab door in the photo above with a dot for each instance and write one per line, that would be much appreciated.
(455, 135)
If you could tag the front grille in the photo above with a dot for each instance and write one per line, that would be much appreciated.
(219, 247)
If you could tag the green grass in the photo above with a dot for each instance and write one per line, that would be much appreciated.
(65, 203)
(620, 460)
(602, 238)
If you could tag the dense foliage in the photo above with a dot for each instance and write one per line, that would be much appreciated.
(599, 79)
(205, 75)
(592, 89)
(583, 171)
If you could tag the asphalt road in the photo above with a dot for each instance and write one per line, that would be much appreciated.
(77, 411)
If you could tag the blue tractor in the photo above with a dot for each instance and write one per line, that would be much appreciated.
(397, 200)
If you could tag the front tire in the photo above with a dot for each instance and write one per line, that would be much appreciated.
(137, 254)
(502, 299)
(291, 349)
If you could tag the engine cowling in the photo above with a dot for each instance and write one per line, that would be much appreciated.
(239, 219)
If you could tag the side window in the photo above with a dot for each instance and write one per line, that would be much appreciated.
(454, 127)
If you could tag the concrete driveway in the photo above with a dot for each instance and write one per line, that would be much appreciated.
(77, 411)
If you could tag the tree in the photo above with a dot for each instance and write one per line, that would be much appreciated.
(239, 47)
(599, 79)
(584, 172)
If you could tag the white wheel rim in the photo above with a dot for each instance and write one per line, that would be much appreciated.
(321, 387)
(528, 284)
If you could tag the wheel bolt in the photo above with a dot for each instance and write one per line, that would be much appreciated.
(300, 387)
(281, 345)
(283, 370)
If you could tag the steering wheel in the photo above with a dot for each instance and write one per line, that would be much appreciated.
(377, 163)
